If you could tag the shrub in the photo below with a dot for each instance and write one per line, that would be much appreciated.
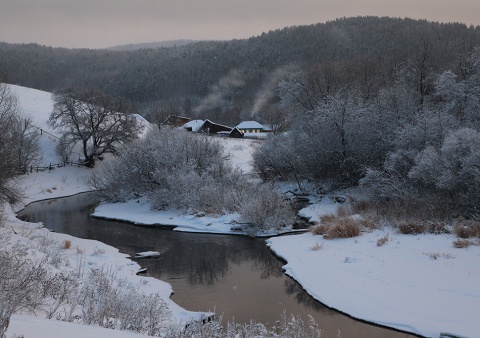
(265, 209)
(383, 240)
(467, 228)
(319, 229)
(23, 284)
(316, 247)
(335, 226)
(344, 227)
(287, 327)
(411, 227)
(462, 243)
(67, 244)
(3, 218)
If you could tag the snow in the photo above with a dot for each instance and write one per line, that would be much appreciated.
(318, 208)
(141, 213)
(194, 124)
(250, 125)
(420, 284)
(147, 254)
(240, 151)
(29, 326)
(416, 283)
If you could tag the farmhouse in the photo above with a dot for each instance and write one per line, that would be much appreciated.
(250, 127)
(176, 121)
(235, 133)
(212, 128)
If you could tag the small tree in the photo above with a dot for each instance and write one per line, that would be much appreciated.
(99, 123)
(18, 143)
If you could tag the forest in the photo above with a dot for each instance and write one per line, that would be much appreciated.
(231, 81)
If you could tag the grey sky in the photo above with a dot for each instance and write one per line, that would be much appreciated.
(105, 23)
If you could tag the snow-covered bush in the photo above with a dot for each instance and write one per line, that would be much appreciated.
(18, 143)
(180, 170)
(164, 164)
(287, 327)
(23, 284)
(265, 209)
(452, 169)
(110, 302)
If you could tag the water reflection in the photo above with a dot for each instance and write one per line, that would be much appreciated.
(237, 276)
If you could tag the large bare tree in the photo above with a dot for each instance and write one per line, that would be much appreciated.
(98, 122)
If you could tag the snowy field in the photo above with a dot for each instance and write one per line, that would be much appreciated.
(416, 283)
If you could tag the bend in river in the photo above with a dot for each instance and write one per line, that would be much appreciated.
(236, 276)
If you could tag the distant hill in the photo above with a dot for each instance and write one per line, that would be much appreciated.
(152, 45)
(228, 80)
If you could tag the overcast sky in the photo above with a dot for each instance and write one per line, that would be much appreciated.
(105, 23)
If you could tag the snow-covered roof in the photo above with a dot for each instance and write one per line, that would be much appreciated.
(250, 125)
(194, 124)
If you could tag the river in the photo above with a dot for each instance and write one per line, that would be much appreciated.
(235, 276)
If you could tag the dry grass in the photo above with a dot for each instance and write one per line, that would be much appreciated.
(319, 229)
(98, 252)
(67, 244)
(317, 247)
(412, 227)
(437, 255)
(462, 243)
(3, 219)
(359, 206)
(335, 226)
(343, 211)
(394, 211)
(467, 228)
(383, 240)
(345, 227)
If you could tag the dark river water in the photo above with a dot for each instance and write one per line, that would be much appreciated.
(235, 276)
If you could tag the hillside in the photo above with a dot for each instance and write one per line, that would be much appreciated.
(229, 80)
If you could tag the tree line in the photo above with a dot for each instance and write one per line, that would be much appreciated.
(417, 138)
(232, 80)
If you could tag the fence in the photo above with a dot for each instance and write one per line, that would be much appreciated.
(50, 167)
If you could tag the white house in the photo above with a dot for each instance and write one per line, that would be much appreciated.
(250, 127)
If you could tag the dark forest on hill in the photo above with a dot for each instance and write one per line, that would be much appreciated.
(230, 81)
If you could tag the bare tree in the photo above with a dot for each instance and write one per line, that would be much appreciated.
(18, 143)
(98, 122)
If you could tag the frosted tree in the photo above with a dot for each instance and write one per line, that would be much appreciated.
(99, 123)
(23, 285)
(18, 143)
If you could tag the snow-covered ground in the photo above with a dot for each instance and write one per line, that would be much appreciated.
(28, 327)
(416, 283)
